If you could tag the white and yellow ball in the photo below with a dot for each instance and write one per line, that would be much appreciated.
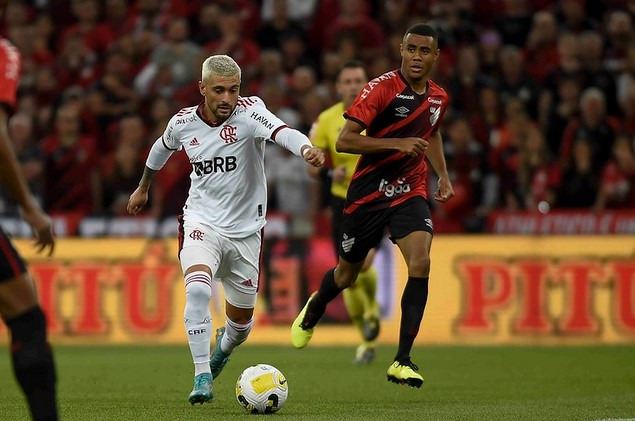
(262, 389)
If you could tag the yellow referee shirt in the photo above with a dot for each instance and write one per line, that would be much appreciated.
(324, 135)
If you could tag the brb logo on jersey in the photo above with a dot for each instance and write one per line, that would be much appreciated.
(218, 164)
(391, 190)
(228, 134)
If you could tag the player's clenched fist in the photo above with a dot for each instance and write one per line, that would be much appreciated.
(412, 146)
(137, 200)
(314, 156)
(445, 191)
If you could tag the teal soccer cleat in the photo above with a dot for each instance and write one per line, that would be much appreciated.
(219, 359)
(202, 391)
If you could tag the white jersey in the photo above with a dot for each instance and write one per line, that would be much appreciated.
(228, 188)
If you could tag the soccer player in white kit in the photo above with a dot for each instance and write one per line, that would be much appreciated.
(221, 228)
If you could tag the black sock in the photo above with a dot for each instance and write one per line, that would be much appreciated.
(413, 303)
(33, 363)
(327, 292)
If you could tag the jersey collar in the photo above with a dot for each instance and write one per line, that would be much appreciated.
(199, 113)
(403, 78)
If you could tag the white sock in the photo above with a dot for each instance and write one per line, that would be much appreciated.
(235, 334)
(198, 320)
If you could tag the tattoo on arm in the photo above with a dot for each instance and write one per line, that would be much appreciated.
(147, 177)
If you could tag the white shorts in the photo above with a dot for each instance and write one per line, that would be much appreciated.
(235, 262)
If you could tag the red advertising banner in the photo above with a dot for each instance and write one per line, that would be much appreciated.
(562, 222)
(483, 290)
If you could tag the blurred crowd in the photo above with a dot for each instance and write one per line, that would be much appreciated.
(542, 95)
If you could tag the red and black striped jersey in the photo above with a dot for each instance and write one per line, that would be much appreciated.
(9, 73)
(387, 107)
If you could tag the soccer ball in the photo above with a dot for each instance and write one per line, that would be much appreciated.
(262, 389)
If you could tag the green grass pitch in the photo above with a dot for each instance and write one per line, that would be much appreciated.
(461, 383)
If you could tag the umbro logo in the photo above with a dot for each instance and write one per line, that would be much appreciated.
(247, 283)
(347, 243)
(195, 142)
(401, 111)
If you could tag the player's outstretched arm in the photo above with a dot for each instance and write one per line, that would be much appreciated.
(436, 157)
(11, 177)
(297, 143)
(351, 141)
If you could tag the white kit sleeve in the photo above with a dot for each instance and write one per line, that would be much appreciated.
(268, 126)
(158, 155)
(164, 146)
(291, 139)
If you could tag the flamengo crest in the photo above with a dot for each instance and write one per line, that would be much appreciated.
(228, 134)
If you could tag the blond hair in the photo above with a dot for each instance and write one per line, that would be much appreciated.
(220, 65)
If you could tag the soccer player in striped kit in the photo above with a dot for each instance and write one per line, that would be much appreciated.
(401, 112)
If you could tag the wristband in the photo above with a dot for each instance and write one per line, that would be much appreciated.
(305, 152)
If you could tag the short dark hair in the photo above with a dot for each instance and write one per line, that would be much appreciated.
(350, 64)
(423, 29)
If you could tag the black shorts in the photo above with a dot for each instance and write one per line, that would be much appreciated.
(11, 264)
(361, 231)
